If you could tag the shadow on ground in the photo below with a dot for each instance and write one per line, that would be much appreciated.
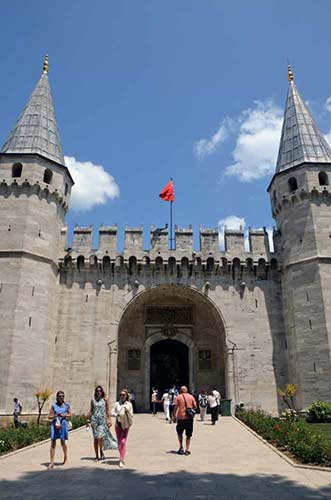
(115, 484)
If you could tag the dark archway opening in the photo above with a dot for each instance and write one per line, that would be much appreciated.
(169, 365)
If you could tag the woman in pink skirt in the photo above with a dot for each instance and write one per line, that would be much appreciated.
(124, 413)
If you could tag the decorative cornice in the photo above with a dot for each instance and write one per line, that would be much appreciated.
(38, 188)
(291, 199)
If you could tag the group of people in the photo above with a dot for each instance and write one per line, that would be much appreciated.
(179, 406)
(203, 399)
(99, 420)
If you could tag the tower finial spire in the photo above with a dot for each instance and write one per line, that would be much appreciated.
(290, 75)
(45, 65)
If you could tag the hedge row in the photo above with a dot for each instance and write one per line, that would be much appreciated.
(13, 439)
(295, 437)
(320, 412)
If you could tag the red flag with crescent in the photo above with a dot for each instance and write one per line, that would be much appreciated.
(168, 193)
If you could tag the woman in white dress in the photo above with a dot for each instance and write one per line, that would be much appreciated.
(166, 404)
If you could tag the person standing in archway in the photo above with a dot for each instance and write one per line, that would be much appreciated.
(185, 407)
(203, 403)
(166, 404)
(154, 400)
(173, 393)
(213, 405)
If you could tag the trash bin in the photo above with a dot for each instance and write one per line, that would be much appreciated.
(225, 407)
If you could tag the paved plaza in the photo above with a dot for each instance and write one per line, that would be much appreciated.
(227, 462)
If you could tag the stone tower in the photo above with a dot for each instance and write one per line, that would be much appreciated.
(300, 199)
(35, 190)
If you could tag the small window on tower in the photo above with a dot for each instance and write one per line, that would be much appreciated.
(323, 179)
(66, 190)
(292, 184)
(48, 175)
(17, 170)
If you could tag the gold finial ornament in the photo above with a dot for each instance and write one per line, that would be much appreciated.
(45, 65)
(290, 75)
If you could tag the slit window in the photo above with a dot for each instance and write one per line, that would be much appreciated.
(48, 175)
(292, 184)
(17, 170)
(323, 179)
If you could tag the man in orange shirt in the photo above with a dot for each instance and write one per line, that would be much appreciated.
(185, 407)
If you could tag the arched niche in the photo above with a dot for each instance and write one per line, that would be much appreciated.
(169, 311)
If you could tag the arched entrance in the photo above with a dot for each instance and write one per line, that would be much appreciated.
(169, 364)
(166, 332)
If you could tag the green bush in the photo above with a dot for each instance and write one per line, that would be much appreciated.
(13, 439)
(320, 411)
(293, 436)
(78, 421)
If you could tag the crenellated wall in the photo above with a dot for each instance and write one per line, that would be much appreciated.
(98, 285)
(160, 244)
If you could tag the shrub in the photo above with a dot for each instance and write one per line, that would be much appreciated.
(13, 439)
(78, 421)
(293, 436)
(320, 411)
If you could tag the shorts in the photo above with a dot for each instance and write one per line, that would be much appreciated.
(185, 425)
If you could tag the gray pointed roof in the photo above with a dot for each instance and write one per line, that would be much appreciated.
(36, 129)
(301, 140)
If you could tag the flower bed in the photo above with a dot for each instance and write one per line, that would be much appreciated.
(13, 439)
(295, 437)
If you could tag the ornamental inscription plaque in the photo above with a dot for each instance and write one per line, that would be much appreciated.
(205, 359)
(156, 315)
(134, 357)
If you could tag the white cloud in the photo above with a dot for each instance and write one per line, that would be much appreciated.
(93, 185)
(327, 104)
(257, 133)
(327, 137)
(230, 222)
(257, 143)
(234, 222)
(205, 147)
(270, 231)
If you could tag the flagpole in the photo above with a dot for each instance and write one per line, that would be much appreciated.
(171, 225)
(171, 238)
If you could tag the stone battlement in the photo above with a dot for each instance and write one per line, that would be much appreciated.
(209, 247)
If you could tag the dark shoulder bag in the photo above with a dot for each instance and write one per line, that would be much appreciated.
(190, 412)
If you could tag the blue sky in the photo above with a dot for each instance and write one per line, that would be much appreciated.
(151, 89)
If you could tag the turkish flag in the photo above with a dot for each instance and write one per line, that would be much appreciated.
(168, 193)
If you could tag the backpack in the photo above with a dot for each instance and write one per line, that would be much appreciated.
(203, 401)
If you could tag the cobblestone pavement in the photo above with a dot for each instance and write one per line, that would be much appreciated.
(227, 462)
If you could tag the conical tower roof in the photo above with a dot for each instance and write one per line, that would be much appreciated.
(301, 140)
(36, 129)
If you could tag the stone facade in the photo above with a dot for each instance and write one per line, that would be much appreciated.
(72, 318)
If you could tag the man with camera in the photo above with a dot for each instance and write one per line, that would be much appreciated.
(185, 407)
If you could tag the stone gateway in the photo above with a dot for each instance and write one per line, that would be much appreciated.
(243, 321)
